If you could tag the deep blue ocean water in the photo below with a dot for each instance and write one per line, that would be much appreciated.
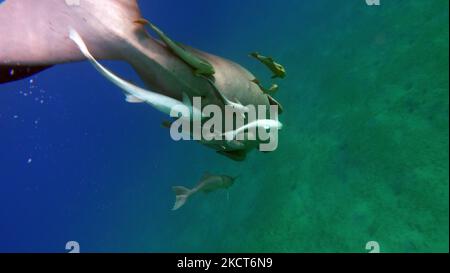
(78, 163)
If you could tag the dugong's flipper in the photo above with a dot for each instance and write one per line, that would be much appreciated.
(34, 34)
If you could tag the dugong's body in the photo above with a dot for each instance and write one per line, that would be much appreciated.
(34, 35)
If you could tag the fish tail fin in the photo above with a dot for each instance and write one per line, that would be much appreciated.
(145, 22)
(181, 194)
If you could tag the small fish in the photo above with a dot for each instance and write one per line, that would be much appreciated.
(267, 124)
(238, 106)
(277, 69)
(208, 183)
(134, 94)
(200, 66)
(273, 89)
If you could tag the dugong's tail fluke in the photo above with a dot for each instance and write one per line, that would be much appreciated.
(182, 194)
(34, 34)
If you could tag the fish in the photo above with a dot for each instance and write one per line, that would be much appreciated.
(236, 155)
(35, 37)
(136, 94)
(277, 69)
(267, 124)
(271, 90)
(237, 106)
(200, 66)
(207, 184)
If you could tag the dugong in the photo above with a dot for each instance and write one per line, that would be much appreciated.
(34, 35)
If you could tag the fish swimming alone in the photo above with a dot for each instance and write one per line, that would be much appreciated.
(34, 36)
(208, 183)
(277, 69)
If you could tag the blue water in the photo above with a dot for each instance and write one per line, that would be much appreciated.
(364, 155)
